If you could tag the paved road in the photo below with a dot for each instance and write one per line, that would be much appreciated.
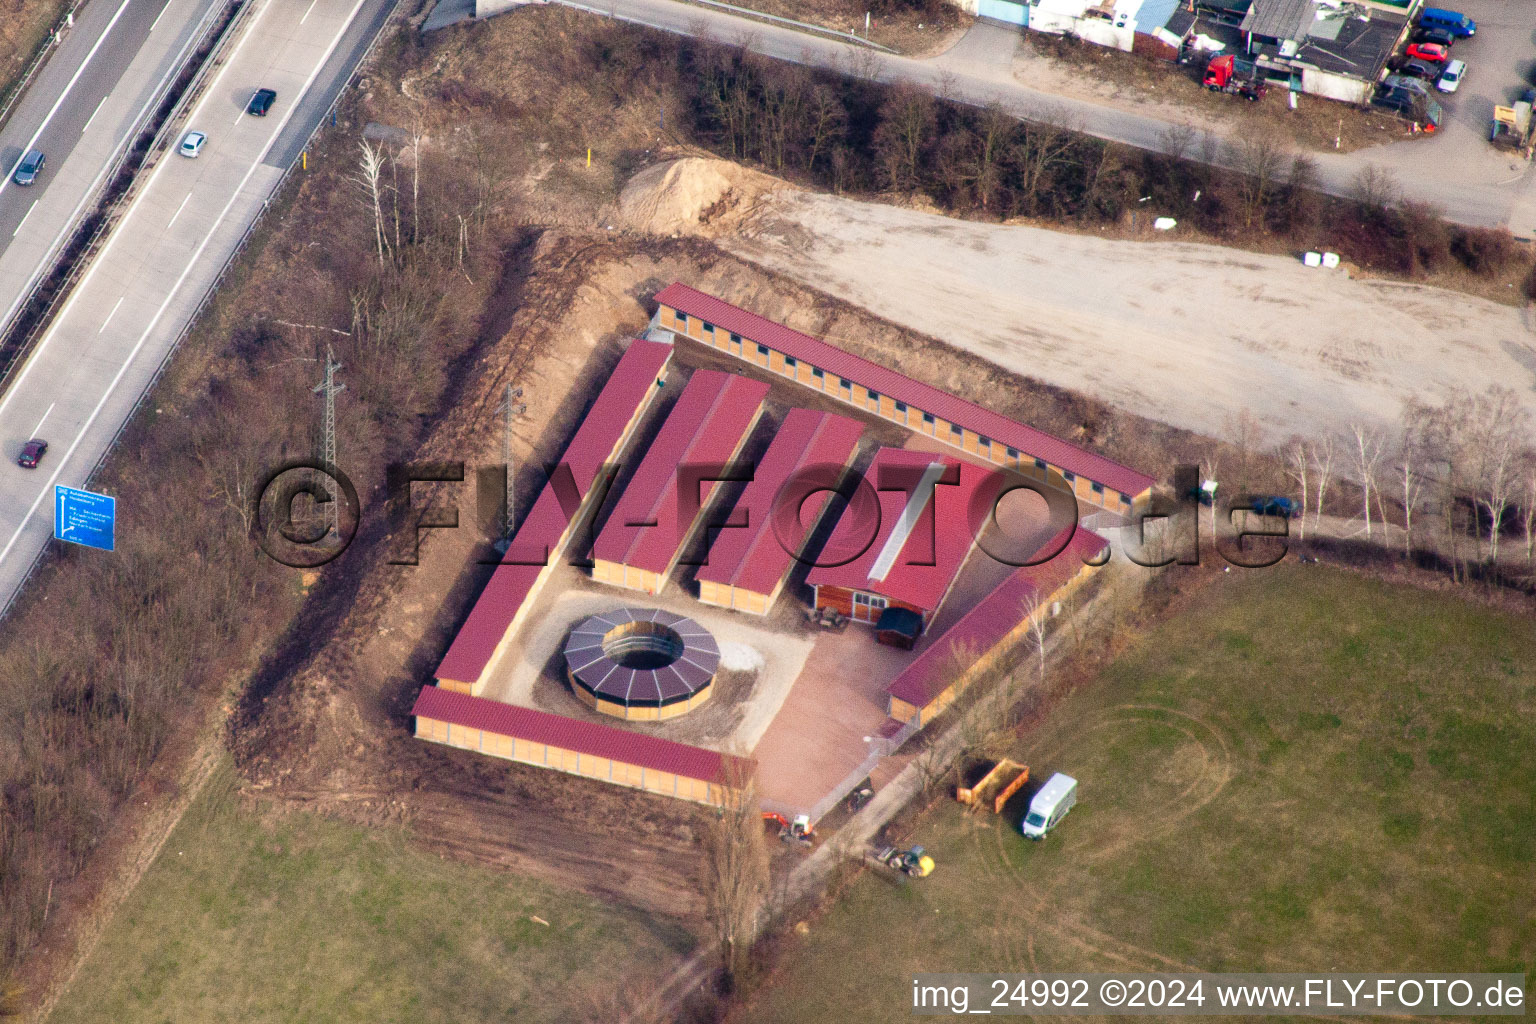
(103, 349)
(1472, 185)
(80, 111)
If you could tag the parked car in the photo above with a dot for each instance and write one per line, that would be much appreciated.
(1431, 52)
(1049, 806)
(1275, 505)
(32, 453)
(1438, 36)
(30, 167)
(1450, 78)
(261, 103)
(192, 144)
(1404, 83)
(1419, 69)
(1454, 22)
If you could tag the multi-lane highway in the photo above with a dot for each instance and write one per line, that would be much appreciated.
(104, 347)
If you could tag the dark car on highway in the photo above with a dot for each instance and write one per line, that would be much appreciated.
(32, 453)
(30, 167)
(261, 103)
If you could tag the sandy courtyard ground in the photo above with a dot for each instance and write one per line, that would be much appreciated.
(1183, 333)
(777, 658)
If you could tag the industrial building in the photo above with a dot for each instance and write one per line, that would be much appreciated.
(747, 564)
(986, 633)
(904, 548)
(643, 537)
(883, 392)
(543, 535)
(595, 751)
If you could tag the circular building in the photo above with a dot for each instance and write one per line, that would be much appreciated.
(642, 664)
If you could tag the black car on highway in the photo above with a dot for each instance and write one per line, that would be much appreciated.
(261, 103)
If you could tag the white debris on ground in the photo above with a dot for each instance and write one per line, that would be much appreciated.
(738, 657)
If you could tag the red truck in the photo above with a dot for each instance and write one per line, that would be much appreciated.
(1241, 77)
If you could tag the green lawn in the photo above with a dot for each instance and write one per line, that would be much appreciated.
(1305, 771)
(252, 919)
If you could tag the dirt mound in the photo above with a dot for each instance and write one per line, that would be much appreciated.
(693, 195)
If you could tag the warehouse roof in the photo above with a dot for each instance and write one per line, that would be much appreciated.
(756, 555)
(984, 626)
(1280, 19)
(877, 378)
(920, 539)
(704, 427)
(539, 533)
(650, 752)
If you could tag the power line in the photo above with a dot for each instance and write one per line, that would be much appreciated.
(329, 388)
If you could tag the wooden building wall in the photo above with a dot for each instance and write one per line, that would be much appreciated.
(905, 712)
(542, 755)
(888, 408)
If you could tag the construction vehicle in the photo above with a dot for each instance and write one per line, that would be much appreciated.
(914, 862)
(797, 831)
(1514, 127)
(1239, 77)
(993, 789)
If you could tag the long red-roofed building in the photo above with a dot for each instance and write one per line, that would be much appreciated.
(747, 564)
(596, 751)
(974, 644)
(644, 535)
(896, 397)
(542, 536)
(909, 554)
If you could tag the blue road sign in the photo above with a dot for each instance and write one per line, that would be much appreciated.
(83, 517)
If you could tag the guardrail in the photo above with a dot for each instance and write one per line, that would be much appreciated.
(804, 26)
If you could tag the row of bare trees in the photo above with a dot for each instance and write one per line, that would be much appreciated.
(1468, 460)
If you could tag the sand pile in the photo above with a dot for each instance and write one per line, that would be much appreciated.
(693, 196)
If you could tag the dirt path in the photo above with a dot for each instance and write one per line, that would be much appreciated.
(1183, 333)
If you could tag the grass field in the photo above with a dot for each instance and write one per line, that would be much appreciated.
(1304, 771)
(254, 918)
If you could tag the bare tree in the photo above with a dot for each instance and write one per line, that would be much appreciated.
(1259, 158)
(1366, 454)
(1323, 455)
(1043, 146)
(370, 169)
(1528, 500)
(907, 120)
(1410, 474)
(1299, 464)
(735, 864)
(1375, 189)
(1177, 138)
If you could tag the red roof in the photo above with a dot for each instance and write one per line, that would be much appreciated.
(705, 427)
(984, 626)
(571, 734)
(877, 378)
(756, 555)
(592, 444)
(916, 551)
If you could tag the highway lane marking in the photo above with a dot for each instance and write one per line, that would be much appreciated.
(39, 428)
(156, 22)
(110, 316)
(73, 79)
(240, 116)
(311, 7)
(197, 255)
(93, 115)
(178, 211)
(24, 218)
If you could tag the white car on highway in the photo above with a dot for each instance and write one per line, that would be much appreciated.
(192, 144)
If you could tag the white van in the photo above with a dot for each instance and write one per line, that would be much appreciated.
(1049, 806)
